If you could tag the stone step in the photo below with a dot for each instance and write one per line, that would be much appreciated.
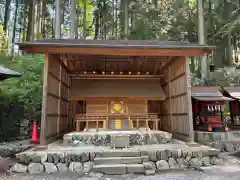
(118, 160)
(120, 153)
(118, 169)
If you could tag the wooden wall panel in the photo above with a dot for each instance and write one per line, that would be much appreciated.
(175, 108)
(55, 104)
(136, 106)
(96, 106)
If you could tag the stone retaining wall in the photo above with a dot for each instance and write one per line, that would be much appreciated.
(115, 162)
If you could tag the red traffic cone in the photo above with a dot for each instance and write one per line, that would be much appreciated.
(35, 133)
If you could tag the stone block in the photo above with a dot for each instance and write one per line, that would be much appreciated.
(50, 167)
(145, 158)
(131, 160)
(120, 141)
(229, 147)
(76, 167)
(135, 168)
(162, 165)
(112, 169)
(35, 168)
(87, 166)
(149, 165)
(120, 153)
(206, 161)
(162, 155)
(182, 163)
(19, 168)
(149, 172)
(195, 162)
(173, 164)
(62, 167)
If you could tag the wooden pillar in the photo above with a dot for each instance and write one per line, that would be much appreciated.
(189, 100)
(59, 100)
(170, 98)
(44, 102)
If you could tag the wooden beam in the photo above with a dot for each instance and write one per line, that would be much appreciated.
(58, 59)
(189, 100)
(105, 76)
(117, 51)
(44, 101)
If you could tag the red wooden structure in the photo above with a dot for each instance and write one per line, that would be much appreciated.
(210, 109)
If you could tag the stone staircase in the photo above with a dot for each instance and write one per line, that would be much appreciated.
(120, 162)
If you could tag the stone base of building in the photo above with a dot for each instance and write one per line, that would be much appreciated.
(104, 138)
(146, 159)
(223, 141)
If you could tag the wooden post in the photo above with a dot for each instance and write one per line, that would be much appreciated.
(44, 102)
(170, 98)
(78, 126)
(137, 123)
(97, 128)
(189, 100)
(59, 100)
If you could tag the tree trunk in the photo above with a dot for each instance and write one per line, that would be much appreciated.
(6, 15)
(97, 20)
(58, 19)
(14, 25)
(126, 19)
(201, 39)
(84, 19)
(29, 23)
(73, 19)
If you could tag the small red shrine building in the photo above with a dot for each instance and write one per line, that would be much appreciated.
(210, 109)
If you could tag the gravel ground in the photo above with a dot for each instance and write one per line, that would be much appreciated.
(215, 173)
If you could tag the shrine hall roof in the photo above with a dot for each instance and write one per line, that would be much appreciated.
(206, 93)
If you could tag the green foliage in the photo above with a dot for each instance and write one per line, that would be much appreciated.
(27, 89)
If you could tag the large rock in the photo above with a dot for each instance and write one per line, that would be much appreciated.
(87, 166)
(206, 161)
(76, 167)
(228, 147)
(152, 155)
(19, 168)
(35, 168)
(44, 158)
(195, 162)
(176, 153)
(56, 158)
(216, 161)
(162, 165)
(62, 167)
(149, 165)
(182, 163)
(50, 167)
(24, 159)
(173, 164)
(84, 157)
(162, 155)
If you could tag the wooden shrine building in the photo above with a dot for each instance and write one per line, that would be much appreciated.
(210, 109)
(234, 93)
(115, 85)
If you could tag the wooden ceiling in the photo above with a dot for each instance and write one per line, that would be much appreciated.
(114, 65)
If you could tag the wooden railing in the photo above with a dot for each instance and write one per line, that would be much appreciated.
(136, 118)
